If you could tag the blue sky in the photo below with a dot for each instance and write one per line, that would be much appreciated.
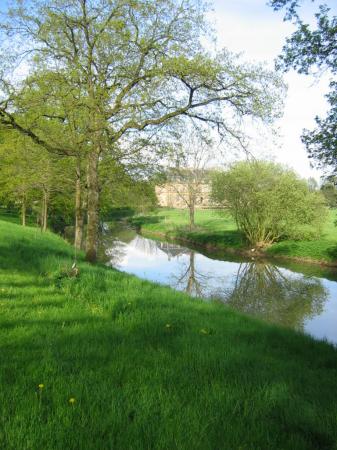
(252, 27)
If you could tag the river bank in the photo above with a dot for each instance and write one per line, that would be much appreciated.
(217, 232)
(100, 359)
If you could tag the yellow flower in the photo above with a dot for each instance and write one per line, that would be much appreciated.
(41, 386)
(72, 400)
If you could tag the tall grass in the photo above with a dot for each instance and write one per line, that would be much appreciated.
(104, 360)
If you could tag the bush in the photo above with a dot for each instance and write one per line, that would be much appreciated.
(269, 202)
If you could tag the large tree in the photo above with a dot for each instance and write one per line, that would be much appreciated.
(309, 48)
(137, 65)
(269, 202)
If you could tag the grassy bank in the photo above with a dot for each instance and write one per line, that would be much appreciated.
(127, 364)
(218, 230)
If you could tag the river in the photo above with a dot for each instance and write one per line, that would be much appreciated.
(299, 296)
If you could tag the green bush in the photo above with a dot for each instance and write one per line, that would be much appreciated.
(269, 202)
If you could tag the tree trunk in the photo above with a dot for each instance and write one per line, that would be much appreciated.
(92, 207)
(192, 222)
(44, 214)
(23, 211)
(78, 213)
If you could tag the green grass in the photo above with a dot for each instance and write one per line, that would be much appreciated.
(13, 217)
(212, 379)
(212, 227)
(217, 229)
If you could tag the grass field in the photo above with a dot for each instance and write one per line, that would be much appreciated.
(215, 228)
(104, 360)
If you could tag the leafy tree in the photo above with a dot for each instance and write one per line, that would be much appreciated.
(30, 176)
(268, 201)
(310, 48)
(137, 66)
(329, 191)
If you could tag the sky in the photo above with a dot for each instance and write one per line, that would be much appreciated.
(253, 28)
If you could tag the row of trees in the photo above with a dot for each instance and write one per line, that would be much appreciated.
(104, 84)
(41, 185)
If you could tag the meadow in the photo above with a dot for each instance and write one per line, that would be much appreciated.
(216, 229)
(97, 359)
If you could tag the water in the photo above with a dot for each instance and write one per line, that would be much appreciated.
(304, 301)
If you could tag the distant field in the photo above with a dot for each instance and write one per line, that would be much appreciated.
(217, 228)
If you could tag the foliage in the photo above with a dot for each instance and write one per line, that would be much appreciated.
(310, 48)
(268, 201)
(114, 77)
(329, 191)
(33, 179)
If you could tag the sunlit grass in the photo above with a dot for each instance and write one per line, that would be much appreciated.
(107, 361)
(216, 228)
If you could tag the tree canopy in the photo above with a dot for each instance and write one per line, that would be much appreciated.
(307, 49)
(269, 202)
(107, 77)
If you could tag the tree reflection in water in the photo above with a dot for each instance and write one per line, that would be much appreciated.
(264, 290)
(259, 289)
(190, 280)
(256, 287)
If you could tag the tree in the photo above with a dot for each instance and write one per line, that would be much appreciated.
(30, 176)
(312, 184)
(137, 65)
(310, 48)
(329, 191)
(189, 176)
(269, 202)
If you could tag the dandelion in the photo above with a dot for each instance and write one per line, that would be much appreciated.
(72, 400)
(41, 386)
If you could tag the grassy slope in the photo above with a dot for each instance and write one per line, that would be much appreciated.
(102, 338)
(218, 229)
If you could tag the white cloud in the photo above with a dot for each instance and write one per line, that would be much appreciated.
(251, 27)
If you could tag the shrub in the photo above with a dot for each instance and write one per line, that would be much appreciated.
(269, 202)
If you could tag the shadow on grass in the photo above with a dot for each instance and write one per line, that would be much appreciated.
(150, 369)
(25, 256)
(227, 238)
(332, 252)
(136, 380)
(139, 221)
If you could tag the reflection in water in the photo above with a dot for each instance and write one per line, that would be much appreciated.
(257, 288)
(190, 280)
(264, 290)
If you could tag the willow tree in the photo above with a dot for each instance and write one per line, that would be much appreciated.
(138, 65)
